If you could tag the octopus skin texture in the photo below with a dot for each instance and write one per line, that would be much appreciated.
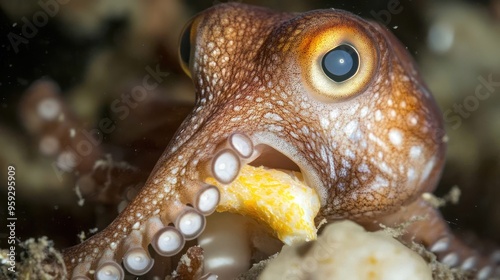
(324, 91)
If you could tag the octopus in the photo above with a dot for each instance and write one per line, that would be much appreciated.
(324, 92)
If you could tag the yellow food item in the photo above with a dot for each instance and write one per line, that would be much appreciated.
(274, 198)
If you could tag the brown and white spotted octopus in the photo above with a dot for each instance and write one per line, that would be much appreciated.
(324, 91)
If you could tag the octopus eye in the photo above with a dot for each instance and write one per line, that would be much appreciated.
(338, 59)
(185, 48)
(341, 63)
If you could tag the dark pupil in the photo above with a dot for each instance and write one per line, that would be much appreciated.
(341, 63)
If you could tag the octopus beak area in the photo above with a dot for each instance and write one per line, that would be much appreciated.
(264, 177)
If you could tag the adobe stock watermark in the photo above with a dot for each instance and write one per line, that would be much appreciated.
(121, 107)
(30, 27)
(385, 16)
(471, 103)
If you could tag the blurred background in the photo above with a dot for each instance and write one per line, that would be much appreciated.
(96, 52)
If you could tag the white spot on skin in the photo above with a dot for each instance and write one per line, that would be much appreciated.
(323, 154)
(379, 183)
(364, 112)
(378, 115)
(377, 141)
(346, 163)
(385, 168)
(353, 109)
(334, 114)
(276, 128)
(349, 154)
(396, 137)
(304, 105)
(363, 168)
(411, 174)
(305, 130)
(273, 116)
(325, 123)
(167, 188)
(427, 169)
(350, 128)
(415, 152)
(343, 172)
(412, 120)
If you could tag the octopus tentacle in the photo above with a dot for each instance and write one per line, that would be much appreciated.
(167, 241)
(190, 223)
(175, 193)
(204, 197)
(225, 166)
(137, 260)
(433, 232)
(43, 110)
(108, 268)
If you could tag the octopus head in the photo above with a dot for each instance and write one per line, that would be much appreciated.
(324, 92)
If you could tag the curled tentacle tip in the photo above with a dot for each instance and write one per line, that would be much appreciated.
(137, 261)
(225, 166)
(190, 223)
(242, 144)
(109, 270)
(168, 241)
(208, 199)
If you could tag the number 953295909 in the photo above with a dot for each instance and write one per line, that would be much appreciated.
(11, 190)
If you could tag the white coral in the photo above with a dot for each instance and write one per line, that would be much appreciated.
(346, 251)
